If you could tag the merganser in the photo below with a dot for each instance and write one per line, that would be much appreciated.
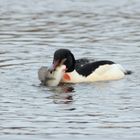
(86, 71)
(51, 78)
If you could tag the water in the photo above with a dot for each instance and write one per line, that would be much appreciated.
(30, 32)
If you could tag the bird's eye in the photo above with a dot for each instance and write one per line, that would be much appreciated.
(51, 71)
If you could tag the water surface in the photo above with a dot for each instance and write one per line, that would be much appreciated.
(30, 32)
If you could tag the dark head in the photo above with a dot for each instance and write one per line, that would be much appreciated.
(64, 56)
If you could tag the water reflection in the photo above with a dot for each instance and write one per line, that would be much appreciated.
(62, 98)
(62, 94)
(30, 33)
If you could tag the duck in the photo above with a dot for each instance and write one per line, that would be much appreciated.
(51, 78)
(83, 70)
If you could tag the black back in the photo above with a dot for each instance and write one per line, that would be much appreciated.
(81, 62)
(87, 69)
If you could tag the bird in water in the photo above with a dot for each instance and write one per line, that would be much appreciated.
(49, 77)
(83, 70)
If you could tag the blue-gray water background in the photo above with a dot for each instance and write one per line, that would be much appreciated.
(30, 32)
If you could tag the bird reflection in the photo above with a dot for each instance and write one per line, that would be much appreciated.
(62, 94)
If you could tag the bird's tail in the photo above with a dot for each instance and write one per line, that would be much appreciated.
(128, 72)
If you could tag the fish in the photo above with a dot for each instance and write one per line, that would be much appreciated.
(51, 78)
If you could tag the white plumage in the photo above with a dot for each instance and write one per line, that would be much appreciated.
(102, 73)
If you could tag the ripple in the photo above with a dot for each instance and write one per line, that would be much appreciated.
(30, 33)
